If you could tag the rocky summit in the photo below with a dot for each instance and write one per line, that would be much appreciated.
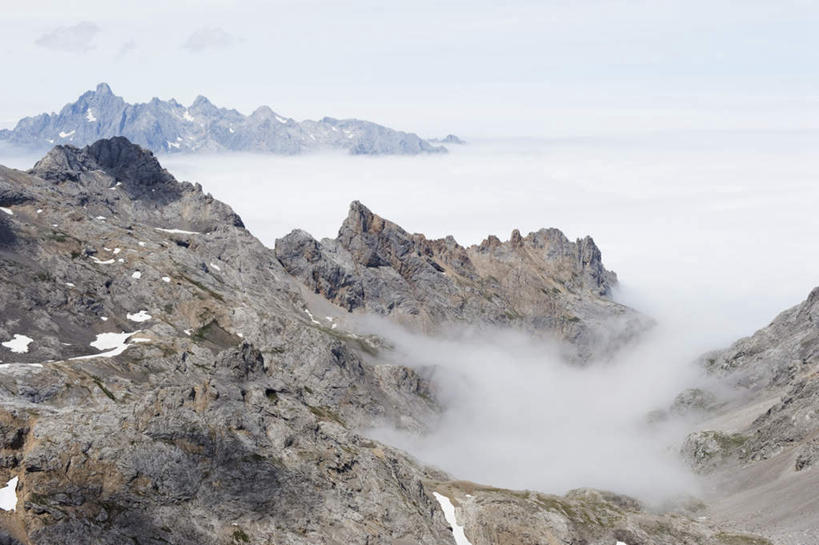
(542, 283)
(166, 378)
(169, 127)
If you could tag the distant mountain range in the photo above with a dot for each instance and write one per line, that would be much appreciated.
(169, 127)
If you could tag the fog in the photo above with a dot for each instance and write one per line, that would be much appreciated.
(517, 416)
(711, 233)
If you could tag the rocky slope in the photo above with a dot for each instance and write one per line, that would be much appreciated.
(165, 380)
(167, 126)
(760, 444)
(543, 282)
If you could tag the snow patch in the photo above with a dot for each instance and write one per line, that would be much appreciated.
(107, 341)
(66, 134)
(187, 115)
(173, 144)
(117, 250)
(231, 130)
(70, 284)
(99, 261)
(137, 275)
(141, 316)
(104, 318)
(23, 366)
(449, 515)
(141, 243)
(114, 343)
(8, 495)
(174, 231)
(215, 266)
(312, 319)
(166, 279)
(7, 210)
(281, 119)
(89, 115)
(19, 344)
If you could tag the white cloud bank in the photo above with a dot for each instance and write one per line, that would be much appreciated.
(517, 416)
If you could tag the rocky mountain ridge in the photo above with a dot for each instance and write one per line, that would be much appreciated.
(165, 379)
(542, 283)
(170, 127)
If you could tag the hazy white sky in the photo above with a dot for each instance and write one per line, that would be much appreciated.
(479, 68)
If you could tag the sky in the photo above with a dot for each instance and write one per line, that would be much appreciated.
(477, 68)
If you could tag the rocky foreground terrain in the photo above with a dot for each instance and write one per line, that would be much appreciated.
(169, 127)
(166, 378)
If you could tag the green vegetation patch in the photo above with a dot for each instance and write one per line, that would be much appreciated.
(239, 536)
(105, 390)
(325, 413)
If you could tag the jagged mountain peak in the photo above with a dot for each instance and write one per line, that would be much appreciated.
(104, 89)
(116, 156)
(361, 220)
(361, 224)
(201, 100)
(116, 177)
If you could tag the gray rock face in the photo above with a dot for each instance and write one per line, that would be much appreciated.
(779, 362)
(164, 380)
(169, 127)
(759, 444)
(542, 283)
